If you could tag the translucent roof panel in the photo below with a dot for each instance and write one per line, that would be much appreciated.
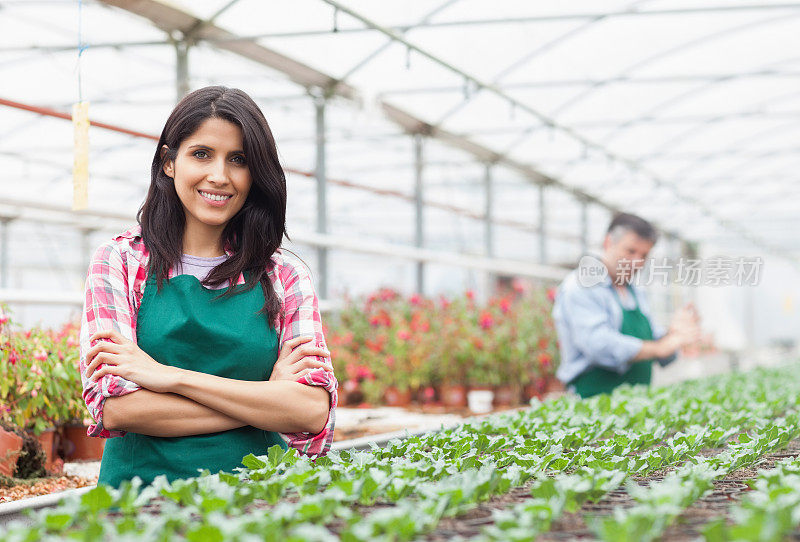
(685, 111)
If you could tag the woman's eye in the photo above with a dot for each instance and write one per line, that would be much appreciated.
(239, 159)
(198, 153)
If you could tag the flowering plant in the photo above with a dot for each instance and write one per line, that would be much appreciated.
(40, 384)
(415, 342)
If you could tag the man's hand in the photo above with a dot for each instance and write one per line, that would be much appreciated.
(684, 330)
(123, 357)
(295, 360)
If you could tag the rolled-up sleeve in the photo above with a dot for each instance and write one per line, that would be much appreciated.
(301, 317)
(106, 306)
(594, 336)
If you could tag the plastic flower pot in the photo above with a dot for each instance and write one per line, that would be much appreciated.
(10, 448)
(554, 385)
(81, 446)
(453, 395)
(480, 401)
(394, 397)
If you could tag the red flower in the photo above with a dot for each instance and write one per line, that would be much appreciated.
(403, 335)
(545, 360)
(470, 295)
(486, 321)
(415, 300)
(13, 357)
(364, 372)
(551, 294)
(505, 305)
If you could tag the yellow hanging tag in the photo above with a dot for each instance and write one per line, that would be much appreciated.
(80, 167)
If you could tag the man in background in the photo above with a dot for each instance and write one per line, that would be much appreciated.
(606, 334)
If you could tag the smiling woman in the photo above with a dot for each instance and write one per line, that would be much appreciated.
(184, 375)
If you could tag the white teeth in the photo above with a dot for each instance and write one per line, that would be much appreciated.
(212, 196)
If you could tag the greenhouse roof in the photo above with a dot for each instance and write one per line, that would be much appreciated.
(683, 111)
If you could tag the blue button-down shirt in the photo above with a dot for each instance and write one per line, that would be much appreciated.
(588, 320)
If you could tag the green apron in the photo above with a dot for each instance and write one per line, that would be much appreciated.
(597, 380)
(183, 326)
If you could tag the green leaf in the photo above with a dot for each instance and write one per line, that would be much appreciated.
(58, 522)
(97, 499)
(205, 533)
(252, 462)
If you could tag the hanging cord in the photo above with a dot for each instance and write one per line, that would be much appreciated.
(81, 48)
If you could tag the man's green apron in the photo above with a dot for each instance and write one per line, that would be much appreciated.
(597, 380)
(183, 326)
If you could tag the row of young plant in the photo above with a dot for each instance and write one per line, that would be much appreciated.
(568, 450)
(771, 511)
(418, 344)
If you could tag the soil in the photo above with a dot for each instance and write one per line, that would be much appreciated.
(572, 526)
(13, 489)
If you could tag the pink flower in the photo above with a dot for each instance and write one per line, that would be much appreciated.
(390, 361)
(545, 360)
(403, 335)
(486, 321)
(505, 305)
(470, 295)
(350, 385)
(40, 355)
(364, 373)
(551, 294)
(415, 300)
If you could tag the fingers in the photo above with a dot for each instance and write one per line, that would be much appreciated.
(108, 334)
(103, 346)
(302, 373)
(310, 363)
(290, 345)
(101, 373)
(306, 351)
(101, 358)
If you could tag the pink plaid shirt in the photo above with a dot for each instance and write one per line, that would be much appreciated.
(114, 288)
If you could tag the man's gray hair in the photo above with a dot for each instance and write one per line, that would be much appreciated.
(625, 222)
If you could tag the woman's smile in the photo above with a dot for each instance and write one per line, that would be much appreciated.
(215, 200)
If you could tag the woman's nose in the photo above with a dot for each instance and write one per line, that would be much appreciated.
(217, 172)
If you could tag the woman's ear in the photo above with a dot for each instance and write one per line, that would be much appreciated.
(169, 165)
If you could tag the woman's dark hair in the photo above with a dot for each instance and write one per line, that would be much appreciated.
(256, 231)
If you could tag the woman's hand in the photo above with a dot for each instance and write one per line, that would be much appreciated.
(295, 361)
(123, 357)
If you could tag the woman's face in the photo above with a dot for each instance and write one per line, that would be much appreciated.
(211, 175)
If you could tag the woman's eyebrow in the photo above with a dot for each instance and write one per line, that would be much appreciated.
(200, 145)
